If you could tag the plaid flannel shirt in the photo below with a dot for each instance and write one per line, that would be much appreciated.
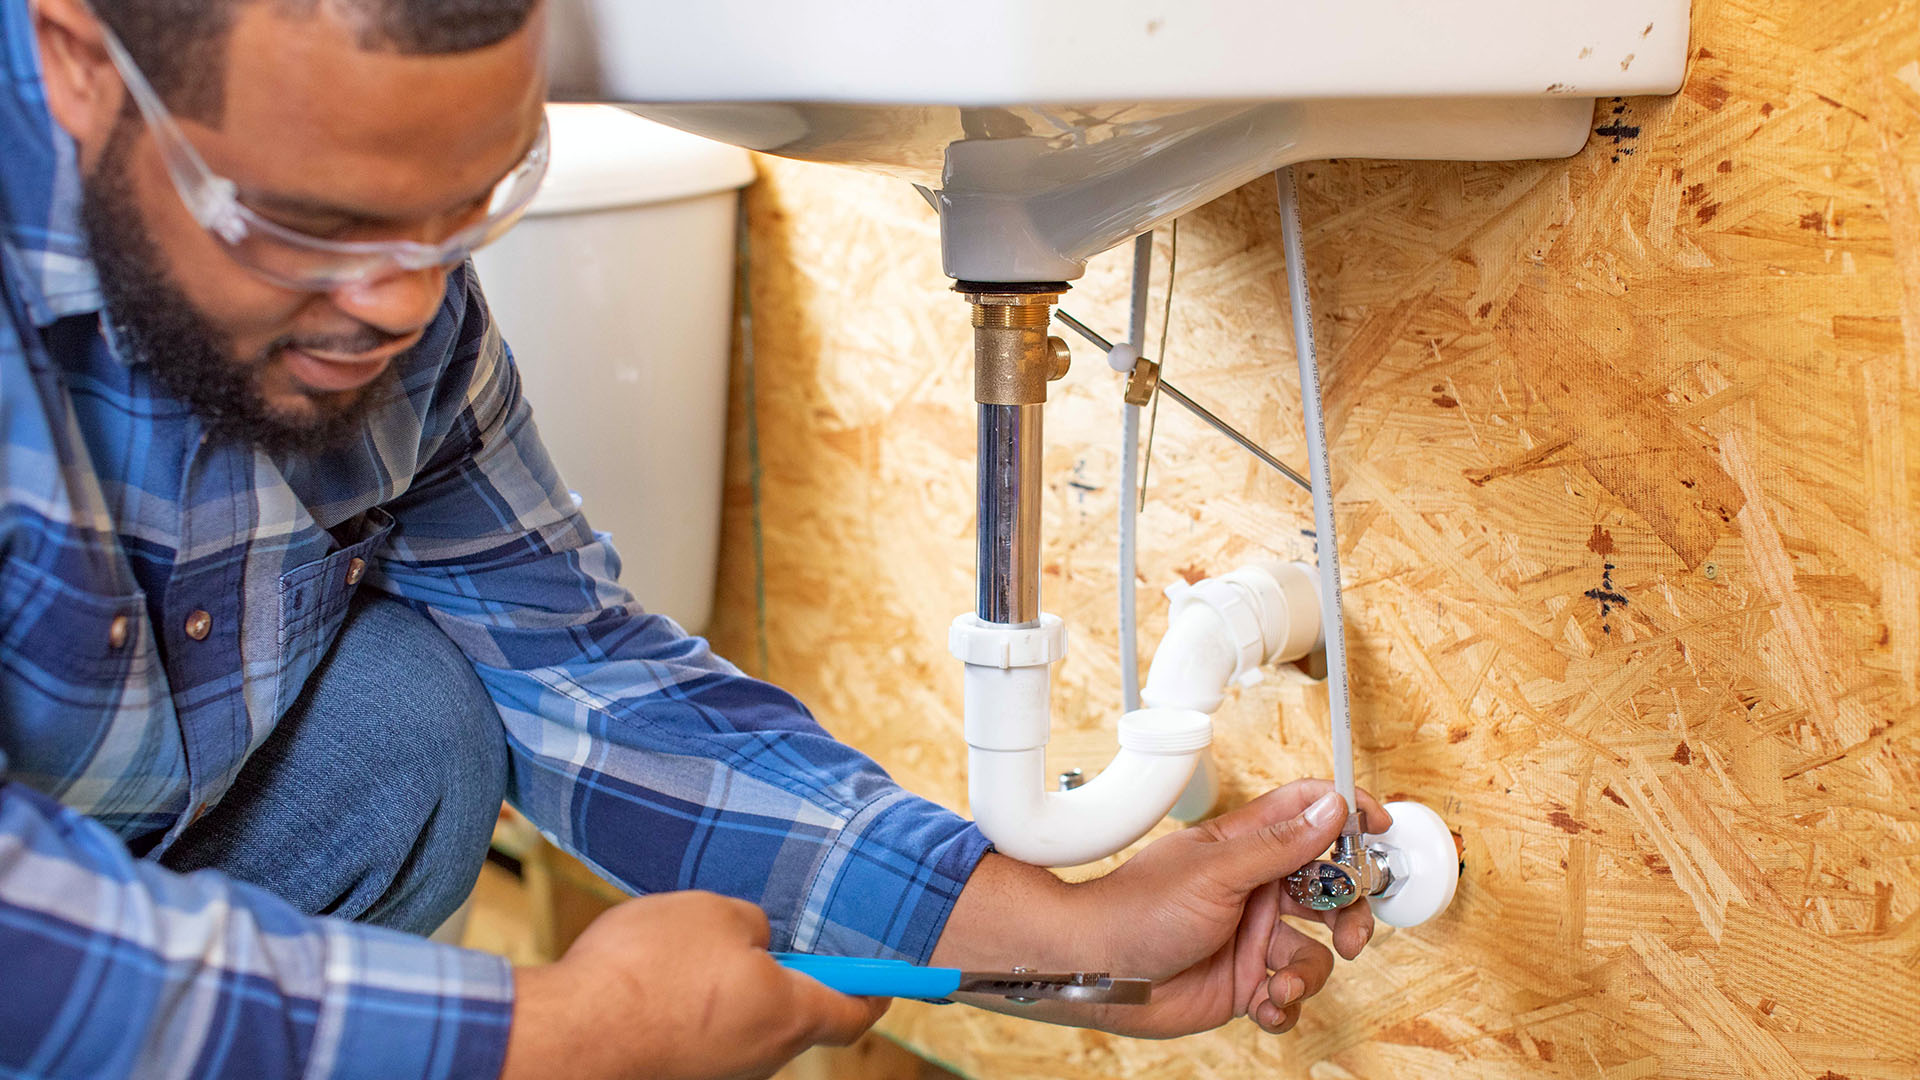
(631, 744)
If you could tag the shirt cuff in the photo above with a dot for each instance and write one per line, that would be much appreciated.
(887, 885)
(402, 1006)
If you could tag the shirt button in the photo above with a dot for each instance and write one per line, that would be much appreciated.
(199, 625)
(119, 631)
(356, 569)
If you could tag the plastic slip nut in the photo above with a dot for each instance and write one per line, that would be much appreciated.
(984, 644)
(1166, 731)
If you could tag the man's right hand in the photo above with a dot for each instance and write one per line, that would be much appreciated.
(677, 986)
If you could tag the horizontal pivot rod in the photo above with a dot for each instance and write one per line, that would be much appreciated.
(1233, 433)
(1153, 382)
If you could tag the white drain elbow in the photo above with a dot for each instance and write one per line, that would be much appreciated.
(1011, 803)
(1007, 727)
(1222, 631)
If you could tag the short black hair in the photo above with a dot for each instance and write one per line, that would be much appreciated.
(180, 45)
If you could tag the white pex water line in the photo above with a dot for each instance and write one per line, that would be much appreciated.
(1130, 485)
(1203, 790)
(1339, 700)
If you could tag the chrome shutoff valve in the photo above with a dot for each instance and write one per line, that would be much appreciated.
(1408, 873)
(1354, 871)
(1323, 885)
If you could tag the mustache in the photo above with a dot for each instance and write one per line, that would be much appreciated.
(366, 339)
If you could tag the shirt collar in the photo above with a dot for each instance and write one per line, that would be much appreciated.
(42, 243)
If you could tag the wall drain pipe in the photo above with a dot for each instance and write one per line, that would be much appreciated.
(1221, 632)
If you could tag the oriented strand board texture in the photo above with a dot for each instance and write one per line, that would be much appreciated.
(1682, 368)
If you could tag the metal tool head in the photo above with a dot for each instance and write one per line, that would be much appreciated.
(1026, 987)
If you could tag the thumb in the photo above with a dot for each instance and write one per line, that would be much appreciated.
(1249, 859)
(836, 1019)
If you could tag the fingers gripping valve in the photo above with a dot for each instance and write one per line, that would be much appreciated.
(1408, 873)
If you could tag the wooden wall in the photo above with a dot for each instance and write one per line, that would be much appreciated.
(1683, 367)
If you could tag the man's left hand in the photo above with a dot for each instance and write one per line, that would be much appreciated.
(1201, 912)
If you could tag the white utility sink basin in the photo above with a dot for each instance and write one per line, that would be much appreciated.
(1051, 130)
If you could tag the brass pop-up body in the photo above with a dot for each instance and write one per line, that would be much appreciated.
(1014, 358)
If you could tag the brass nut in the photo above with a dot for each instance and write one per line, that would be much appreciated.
(1059, 359)
(1143, 383)
(991, 313)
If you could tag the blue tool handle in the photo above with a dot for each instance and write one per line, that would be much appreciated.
(874, 978)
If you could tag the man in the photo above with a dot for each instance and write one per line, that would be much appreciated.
(290, 596)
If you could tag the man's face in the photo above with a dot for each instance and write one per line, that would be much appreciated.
(326, 138)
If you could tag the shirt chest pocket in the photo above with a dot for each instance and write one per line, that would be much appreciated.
(77, 675)
(314, 599)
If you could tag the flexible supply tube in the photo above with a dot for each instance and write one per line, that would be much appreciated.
(1129, 569)
(1339, 701)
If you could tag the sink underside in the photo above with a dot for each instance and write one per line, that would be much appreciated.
(1016, 52)
(1050, 132)
(1030, 193)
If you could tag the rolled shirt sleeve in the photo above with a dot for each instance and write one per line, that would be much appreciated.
(632, 745)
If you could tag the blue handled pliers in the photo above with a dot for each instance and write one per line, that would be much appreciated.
(897, 978)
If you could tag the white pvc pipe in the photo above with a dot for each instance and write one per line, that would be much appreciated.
(1194, 662)
(1190, 670)
(1221, 632)
(1011, 803)
(1203, 653)
(1339, 699)
(1007, 730)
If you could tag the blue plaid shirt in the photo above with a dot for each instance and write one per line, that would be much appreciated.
(632, 745)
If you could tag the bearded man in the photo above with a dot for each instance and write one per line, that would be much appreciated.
(291, 597)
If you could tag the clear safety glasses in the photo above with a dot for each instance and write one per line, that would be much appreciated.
(294, 259)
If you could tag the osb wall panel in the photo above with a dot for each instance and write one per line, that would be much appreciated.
(1681, 369)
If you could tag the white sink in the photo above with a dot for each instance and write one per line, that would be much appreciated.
(1051, 130)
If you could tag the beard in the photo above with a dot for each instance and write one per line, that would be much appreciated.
(191, 357)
